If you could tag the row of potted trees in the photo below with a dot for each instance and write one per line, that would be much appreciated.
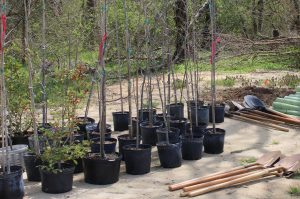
(76, 144)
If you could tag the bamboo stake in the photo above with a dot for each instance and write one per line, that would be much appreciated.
(6, 160)
(137, 110)
(128, 54)
(195, 72)
(187, 81)
(44, 106)
(163, 49)
(118, 54)
(30, 68)
(102, 82)
(147, 39)
(213, 64)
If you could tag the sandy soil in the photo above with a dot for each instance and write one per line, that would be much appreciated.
(242, 141)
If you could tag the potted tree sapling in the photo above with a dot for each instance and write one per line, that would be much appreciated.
(67, 148)
(137, 156)
(169, 153)
(129, 138)
(102, 168)
(19, 117)
(78, 77)
(86, 124)
(32, 158)
(59, 158)
(11, 179)
(148, 128)
(120, 118)
(214, 137)
(192, 144)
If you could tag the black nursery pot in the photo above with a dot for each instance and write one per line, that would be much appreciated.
(12, 185)
(214, 142)
(144, 114)
(109, 145)
(42, 127)
(177, 110)
(78, 166)
(125, 140)
(160, 118)
(174, 135)
(120, 120)
(60, 182)
(77, 138)
(169, 154)
(21, 139)
(192, 103)
(199, 130)
(203, 114)
(82, 123)
(96, 135)
(32, 164)
(149, 132)
(180, 124)
(102, 171)
(219, 113)
(137, 160)
(108, 128)
(192, 148)
(42, 142)
(134, 125)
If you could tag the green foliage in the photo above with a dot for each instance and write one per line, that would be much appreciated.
(249, 160)
(179, 84)
(292, 81)
(294, 191)
(53, 157)
(228, 81)
(18, 97)
(274, 142)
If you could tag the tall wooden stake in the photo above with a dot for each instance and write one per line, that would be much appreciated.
(30, 68)
(128, 54)
(4, 131)
(44, 107)
(213, 63)
(118, 54)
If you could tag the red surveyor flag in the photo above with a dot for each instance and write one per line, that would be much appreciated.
(101, 49)
(214, 48)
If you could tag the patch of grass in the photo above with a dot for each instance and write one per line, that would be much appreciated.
(274, 142)
(294, 191)
(292, 81)
(296, 175)
(227, 82)
(179, 84)
(249, 160)
(246, 63)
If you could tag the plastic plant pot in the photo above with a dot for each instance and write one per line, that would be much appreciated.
(137, 160)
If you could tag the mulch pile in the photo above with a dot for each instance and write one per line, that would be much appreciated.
(267, 95)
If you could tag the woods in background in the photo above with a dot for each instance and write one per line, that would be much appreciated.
(73, 22)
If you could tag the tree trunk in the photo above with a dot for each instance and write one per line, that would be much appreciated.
(56, 6)
(260, 8)
(254, 23)
(90, 22)
(297, 18)
(205, 32)
(180, 22)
